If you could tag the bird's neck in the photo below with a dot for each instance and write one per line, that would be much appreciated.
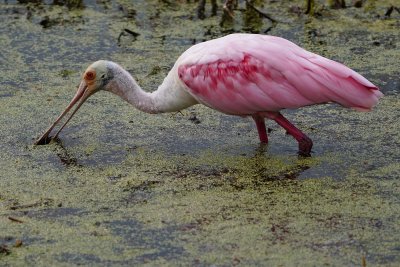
(168, 97)
(125, 86)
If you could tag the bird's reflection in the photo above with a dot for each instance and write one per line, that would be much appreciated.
(262, 172)
(63, 154)
(242, 172)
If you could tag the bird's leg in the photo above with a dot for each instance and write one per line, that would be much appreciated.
(262, 132)
(305, 143)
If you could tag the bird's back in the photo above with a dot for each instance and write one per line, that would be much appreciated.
(247, 73)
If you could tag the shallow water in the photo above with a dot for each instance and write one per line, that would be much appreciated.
(122, 187)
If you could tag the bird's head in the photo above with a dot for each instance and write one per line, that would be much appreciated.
(95, 78)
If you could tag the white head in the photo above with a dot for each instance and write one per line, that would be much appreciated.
(95, 78)
(98, 75)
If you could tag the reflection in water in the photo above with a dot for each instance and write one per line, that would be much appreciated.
(262, 171)
(227, 18)
(252, 20)
(126, 32)
(252, 16)
(201, 9)
(238, 171)
(65, 158)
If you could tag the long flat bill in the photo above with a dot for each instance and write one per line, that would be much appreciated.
(81, 95)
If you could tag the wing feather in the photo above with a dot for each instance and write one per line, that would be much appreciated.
(245, 74)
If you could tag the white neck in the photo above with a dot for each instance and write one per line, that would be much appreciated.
(170, 95)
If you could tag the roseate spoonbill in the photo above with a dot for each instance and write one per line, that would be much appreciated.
(239, 74)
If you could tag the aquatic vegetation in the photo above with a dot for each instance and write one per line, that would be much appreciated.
(121, 187)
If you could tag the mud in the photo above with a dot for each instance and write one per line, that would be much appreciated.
(126, 188)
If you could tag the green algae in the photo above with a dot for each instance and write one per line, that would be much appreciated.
(125, 188)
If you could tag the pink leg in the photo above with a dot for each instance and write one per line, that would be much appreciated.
(262, 132)
(305, 143)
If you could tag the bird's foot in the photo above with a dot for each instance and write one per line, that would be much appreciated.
(305, 145)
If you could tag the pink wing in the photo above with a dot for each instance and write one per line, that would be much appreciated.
(244, 74)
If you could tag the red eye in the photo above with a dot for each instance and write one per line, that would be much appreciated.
(90, 75)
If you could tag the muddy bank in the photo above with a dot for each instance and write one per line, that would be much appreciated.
(122, 187)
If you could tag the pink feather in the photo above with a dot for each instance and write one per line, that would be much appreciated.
(245, 74)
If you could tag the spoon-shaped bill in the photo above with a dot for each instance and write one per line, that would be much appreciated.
(81, 95)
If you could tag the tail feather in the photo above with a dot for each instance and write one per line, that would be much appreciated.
(352, 90)
(369, 93)
(341, 70)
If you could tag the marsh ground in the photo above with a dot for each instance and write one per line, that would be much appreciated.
(121, 187)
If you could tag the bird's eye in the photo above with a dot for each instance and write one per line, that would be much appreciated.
(90, 75)
(103, 76)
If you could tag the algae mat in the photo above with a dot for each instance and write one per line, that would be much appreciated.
(125, 188)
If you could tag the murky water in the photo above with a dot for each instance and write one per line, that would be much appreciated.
(122, 187)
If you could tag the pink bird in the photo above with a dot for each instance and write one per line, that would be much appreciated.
(239, 74)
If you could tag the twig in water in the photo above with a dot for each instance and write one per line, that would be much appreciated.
(260, 12)
(123, 33)
(14, 219)
(390, 11)
(41, 202)
(228, 7)
(18, 243)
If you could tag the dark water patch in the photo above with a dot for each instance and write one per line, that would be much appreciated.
(388, 84)
(6, 239)
(324, 169)
(178, 146)
(81, 259)
(160, 240)
(387, 258)
(46, 214)
(26, 240)
(6, 95)
(102, 158)
(140, 193)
